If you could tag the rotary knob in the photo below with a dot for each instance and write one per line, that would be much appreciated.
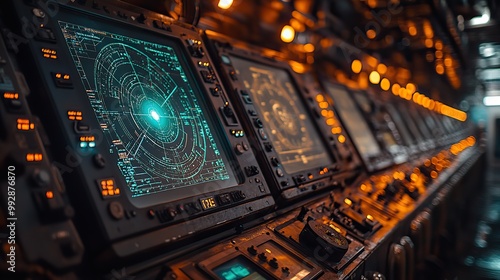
(324, 240)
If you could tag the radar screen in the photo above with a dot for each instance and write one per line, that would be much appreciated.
(354, 122)
(292, 132)
(151, 115)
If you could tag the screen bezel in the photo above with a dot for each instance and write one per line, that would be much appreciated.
(106, 24)
(302, 103)
(348, 94)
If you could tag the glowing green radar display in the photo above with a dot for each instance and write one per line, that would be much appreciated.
(149, 113)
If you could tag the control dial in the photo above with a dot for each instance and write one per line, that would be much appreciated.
(316, 235)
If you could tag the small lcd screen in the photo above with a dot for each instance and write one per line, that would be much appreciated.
(290, 128)
(150, 111)
(354, 122)
(401, 126)
(408, 119)
(239, 268)
(364, 103)
(422, 126)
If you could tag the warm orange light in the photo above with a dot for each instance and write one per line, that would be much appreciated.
(382, 69)
(411, 88)
(323, 105)
(439, 54)
(395, 89)
(439, 69)
(309, 47)
(434, 174)
(30, 157)
(348, 201)
(438, 45)
(225, 4)
(11, 95)
(297, 67)
(429, 43)
(374, 77)
(320, 98)
(49, 194)
(336, 130)
(341, 138)
(371, 34)
(356, 66)
(385, 84)
(287, 34)
(412, 30)
(448, 62)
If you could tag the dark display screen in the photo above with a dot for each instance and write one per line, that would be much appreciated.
(401, 126)
(290, 129)
(422, 126)
(354, 122)
(239, 268)
(408, 119)
(150, 111)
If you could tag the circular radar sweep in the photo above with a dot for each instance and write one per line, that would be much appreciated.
(282, 111)
(158, 128)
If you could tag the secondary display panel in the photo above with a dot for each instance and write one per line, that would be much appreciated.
(292, 139)
(359, 129)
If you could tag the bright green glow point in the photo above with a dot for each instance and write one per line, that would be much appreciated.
(155, 115)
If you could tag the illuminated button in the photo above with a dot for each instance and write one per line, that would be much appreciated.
(52, 206)
(207, 76)
(280, 172)
(87, 141)
(34, 157)
(215, 91)
(75, 115)
(62, 80)
(262, 134)
(12, 101)
(49, 53)
(225, 59)
(108, 188)
(25, 124)
(237, 133)
(233, 75)
(116, 210)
